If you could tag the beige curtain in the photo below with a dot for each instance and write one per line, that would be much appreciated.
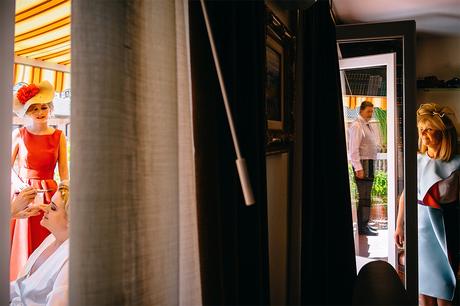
(133, 212)
(6, 91)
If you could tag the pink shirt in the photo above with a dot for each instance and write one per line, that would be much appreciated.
(362, 142)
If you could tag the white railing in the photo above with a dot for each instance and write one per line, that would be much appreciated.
(381, 162)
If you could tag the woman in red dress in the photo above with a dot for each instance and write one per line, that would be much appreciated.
(37, 148)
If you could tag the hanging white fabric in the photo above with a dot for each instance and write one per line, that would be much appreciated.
(134, 231)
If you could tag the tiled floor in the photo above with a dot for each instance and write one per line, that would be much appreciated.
(375, 247)
(368, 248)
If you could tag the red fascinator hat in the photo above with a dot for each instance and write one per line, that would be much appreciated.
(28, 95)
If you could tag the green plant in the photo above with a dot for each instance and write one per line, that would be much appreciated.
(380, 186)
(351, 179)
(379, 192)
(381, 116)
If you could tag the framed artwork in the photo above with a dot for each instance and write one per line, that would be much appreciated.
(274, 84)
(279, 81)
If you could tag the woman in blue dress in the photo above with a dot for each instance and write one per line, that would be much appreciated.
(438, 181)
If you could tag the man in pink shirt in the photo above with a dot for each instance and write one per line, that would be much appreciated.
(362, 154)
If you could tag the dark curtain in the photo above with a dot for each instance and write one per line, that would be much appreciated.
(233, 237)
(328, 266)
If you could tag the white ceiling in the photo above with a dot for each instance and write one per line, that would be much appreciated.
(436, 17)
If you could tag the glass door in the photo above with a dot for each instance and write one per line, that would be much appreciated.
(373, 79)
(398, 37)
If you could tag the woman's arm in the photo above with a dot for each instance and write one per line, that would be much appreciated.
(62, 160)
(15, 146)
(18, 184)
(399, 232)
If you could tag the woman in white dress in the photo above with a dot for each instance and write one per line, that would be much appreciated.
(44, 280)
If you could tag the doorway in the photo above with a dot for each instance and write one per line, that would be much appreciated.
(395, 37)
(372, 79)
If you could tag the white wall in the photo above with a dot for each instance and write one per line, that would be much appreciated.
(439, 56)
(277, 210)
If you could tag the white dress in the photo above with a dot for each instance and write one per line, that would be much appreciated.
(49, 284)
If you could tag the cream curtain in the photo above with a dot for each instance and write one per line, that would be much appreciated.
(6, 86)
(133, 212)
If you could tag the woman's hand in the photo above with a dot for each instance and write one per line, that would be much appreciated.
(20, 204)
(27, 212)
(399, 232)
(399, 236)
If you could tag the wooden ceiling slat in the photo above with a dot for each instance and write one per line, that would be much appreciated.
(25, 5)
(44, 45)
(53, 55)
(48, 28)
(43, 28)
(40, 39)
(48, 51)
(60, 58)
(43, 19)
(38, 9)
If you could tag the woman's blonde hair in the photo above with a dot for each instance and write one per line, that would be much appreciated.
(442, 119)
(64, 190)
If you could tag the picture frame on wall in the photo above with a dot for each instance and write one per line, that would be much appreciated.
(279, 80)
(274, 84)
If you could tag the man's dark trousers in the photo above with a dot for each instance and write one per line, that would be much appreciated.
(364, 193)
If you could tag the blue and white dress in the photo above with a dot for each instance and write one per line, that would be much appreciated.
(438, 245)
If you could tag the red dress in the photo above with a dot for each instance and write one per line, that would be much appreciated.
(37, 158)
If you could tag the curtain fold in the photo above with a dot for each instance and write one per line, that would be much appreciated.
(6, 84)
(327, 251)
(133, 226)
(233, 237)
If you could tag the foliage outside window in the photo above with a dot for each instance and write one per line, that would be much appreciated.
(379, 188)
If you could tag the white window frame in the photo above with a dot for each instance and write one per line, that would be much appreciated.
(389, 61)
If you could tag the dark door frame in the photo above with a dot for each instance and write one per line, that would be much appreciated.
(404, 30)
